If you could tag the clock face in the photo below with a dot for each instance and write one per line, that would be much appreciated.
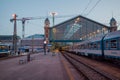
(114, 24)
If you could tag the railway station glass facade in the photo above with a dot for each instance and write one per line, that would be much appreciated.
(77, 28)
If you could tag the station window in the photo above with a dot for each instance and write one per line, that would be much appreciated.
(113, 44)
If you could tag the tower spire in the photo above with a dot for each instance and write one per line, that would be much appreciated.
(113, 25)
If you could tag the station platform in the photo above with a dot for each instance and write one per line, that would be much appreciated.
(42, 67)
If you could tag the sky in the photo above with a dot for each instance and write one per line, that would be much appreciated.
(102, 12)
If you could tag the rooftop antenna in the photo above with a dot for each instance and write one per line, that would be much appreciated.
(112, 14)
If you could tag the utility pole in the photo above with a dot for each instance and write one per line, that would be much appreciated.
(14, 33)
(32, 44)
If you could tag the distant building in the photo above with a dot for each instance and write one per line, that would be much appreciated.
(33, 43)
(8, 39)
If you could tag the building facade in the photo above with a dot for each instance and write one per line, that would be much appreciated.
(33, 43)
(8, 39)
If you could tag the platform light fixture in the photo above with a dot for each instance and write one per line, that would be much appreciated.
(45, 42)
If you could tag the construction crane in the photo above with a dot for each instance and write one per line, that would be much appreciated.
(23, 26)
(23, 23)
(24, 19)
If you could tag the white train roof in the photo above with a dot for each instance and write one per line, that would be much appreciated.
(112, 35)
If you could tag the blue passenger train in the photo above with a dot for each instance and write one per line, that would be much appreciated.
(105, 47)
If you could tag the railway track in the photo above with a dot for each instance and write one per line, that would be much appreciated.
(88, 72)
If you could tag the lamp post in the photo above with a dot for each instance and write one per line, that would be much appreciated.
(14, 33)
(53, 14)
(45, 47)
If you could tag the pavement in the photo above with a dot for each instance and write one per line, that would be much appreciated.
(41, 67)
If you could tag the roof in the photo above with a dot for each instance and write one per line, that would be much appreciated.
(36, 36)
(81, 17)
(95, 39)
(7, 37)
(112, 35)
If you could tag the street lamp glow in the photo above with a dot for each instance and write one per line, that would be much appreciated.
(14, 15)
(77, 20)
(53, 13)
(45, 42)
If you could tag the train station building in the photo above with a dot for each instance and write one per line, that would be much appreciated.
(80, 28)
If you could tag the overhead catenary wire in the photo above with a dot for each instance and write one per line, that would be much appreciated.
(86, 7)
(93, 7)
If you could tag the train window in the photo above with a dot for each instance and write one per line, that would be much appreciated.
(107, 45)
(87, 46)
(113, 44)
(3, 47)
(83, 47)
(91, 46)
(95, 46)
(79, 47)
(98, 45)
(119, 43)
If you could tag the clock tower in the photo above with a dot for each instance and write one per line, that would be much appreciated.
(113, 25)
(46, 30)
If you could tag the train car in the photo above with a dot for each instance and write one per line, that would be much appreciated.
(112, 45)
(4, 50)
(91, 47)
(105, 47)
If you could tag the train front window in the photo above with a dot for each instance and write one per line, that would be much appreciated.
(3, 47)
(113, 44)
